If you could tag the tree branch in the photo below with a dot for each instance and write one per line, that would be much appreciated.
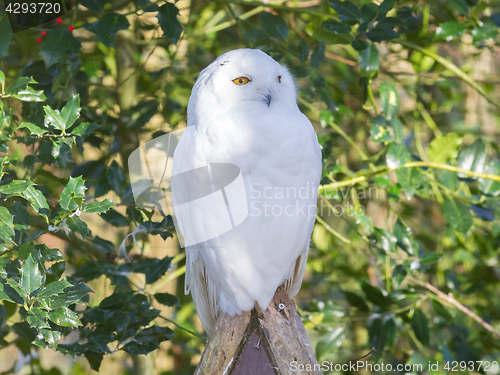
(452, 301)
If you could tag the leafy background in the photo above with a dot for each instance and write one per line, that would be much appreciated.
(404, 97)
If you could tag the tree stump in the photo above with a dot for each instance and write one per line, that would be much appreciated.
(259, 342)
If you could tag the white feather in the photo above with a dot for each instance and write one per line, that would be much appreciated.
(277, 150)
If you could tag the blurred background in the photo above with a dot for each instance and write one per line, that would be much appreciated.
(405, 98)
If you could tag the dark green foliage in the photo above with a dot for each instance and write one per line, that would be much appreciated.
(417, 183)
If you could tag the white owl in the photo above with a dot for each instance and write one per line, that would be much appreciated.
(244, 112)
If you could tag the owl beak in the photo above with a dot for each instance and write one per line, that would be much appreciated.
(268, 99)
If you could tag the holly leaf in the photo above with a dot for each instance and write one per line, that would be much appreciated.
(108, 26)
(6, 219)
(37, 318)
(368, 60)
(51, 337)
(98, 207)
(75, 188)
(34, 130)
(472, 158)
(55, 45)
(167, 18)
(53, 118)
(389, 99)
(64, 317)
(71, 111)
(457, 214)
(31, 277)
(84, 129)
(273, 25)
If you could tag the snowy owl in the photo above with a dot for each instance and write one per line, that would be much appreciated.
(243, 111)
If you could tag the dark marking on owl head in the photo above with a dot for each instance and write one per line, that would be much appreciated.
(225, 61)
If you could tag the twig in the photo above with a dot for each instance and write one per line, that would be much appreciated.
(449, 65)
(184, 329)
(452, 301)
(413, 164)
(332, 231)
(341, 59)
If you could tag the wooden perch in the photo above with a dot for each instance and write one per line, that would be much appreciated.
(259, 342)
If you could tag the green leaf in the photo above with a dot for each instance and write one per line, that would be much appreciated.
(55, 45)
(430, 258)
(374, 295)
(22, 83)
(389, 99)
(154, 334)
(78, 225)
(318, 55)
(336, 27)
(31, 277)
(37, 200)
(346, 10)
(368, 60)
(273, 25)
(115, 218)
(2, 77)
(4, 296)
(405, 238)
(52, 289)
(137, 348)
(14, 291)
(397, 155)
(167, 299)
(72, 294)
(49, 255)
(84, 129)
(71, 111)
(381, 34)
(356, 301)
(153, 268)
(52, 337)
(6, 231)
(5, 36)
(75, 188)
(444, 147)
(303, 51)
(98, 207)
(29, 94)
(24, 331)
(409, 179)
(450, 30)
(472, 158)
(487, 186)
(441, 310)
(26, 249)
(457, 214)
(15, 187)
(380, 132)
(37, 318)
(34, 130)
(94, 4)
(420, 326)
(62, 316)
(54, 118)
(377, 334)
(108, 26)
(484, 34)
(167, 18)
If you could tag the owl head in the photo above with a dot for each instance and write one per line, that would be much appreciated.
(243, 79)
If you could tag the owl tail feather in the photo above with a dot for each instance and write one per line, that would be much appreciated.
(203, 291)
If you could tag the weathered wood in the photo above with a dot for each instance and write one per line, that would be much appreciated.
(267, 342)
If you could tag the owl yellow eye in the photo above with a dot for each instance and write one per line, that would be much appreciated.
(279, 79)
(241, 80)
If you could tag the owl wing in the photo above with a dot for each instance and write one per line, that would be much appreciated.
(188, 156)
